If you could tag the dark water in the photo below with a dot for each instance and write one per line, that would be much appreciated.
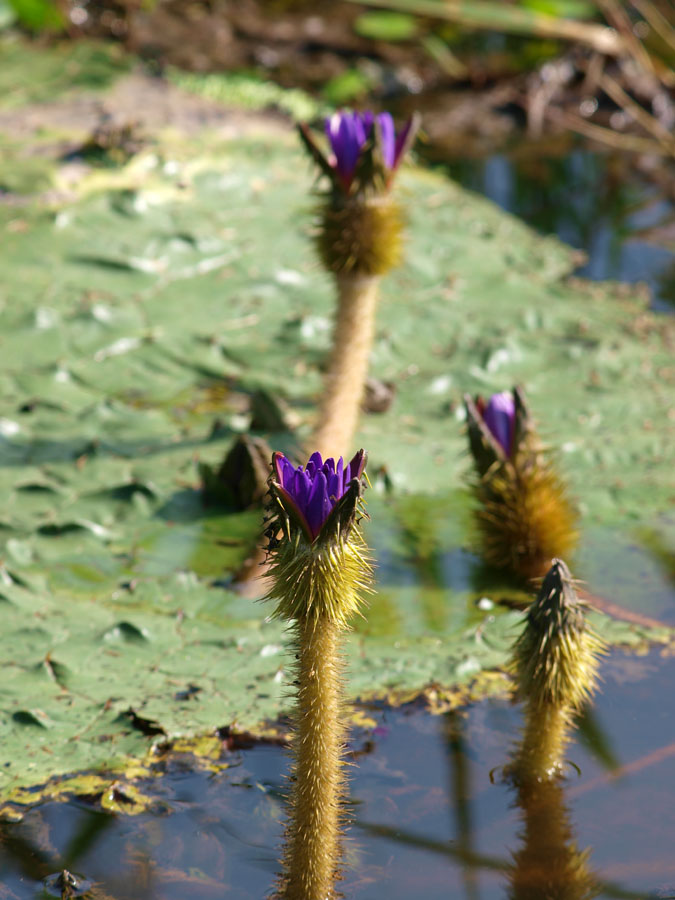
(427, 820)
(592, 202)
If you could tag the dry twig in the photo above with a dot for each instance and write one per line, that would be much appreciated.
(628, 142)
(491, 16)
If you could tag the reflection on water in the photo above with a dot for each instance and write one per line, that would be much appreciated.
(548, 864)
(426, 818)
(591, 203)
(425, 558)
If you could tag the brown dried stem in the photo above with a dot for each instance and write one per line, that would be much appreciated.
(488, 16)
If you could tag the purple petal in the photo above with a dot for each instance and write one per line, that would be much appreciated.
(328, 467)
(314, 464)
(332, 125)
(336, 137)
(318, 505)
(289, 501)
(363, 122)
(284, 470)
(499, 416)
(300, 489)
(334, 488)
(388, 136)
(339, 471)
(366, 119)
(343, 133)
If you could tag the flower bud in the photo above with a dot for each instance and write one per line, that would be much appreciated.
(365, 150)
(319, 561)
(555, 662)
(360, 226)
(309, 495)
(523, 516)
(556, 656)
(319, 571)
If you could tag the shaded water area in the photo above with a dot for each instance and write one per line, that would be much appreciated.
(426, 816)
(621, 222)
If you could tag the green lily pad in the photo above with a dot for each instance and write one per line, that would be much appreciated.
(137, 320)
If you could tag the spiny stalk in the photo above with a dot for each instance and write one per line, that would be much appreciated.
(359, 239)
(555, 660)
(320, 571)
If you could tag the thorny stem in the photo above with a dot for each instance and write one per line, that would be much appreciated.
(348, 368)
(312, 841)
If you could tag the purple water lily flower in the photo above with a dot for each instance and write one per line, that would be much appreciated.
(348, 133)
(500, 417)
(315, 489)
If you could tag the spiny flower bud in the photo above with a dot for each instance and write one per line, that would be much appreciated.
(555, 657)
(555, 661)
(319, 563)
(523, 516)
(360, 225)
(319, 570)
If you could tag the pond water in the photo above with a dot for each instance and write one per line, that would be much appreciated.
(592, 201)
(426, 816)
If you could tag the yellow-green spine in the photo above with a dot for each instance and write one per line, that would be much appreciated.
(555, 661)
(524, 517)
(318, 586)
(360, 234)
(312, 841)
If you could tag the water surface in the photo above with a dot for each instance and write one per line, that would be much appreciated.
(427, 818)
(593, 201)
